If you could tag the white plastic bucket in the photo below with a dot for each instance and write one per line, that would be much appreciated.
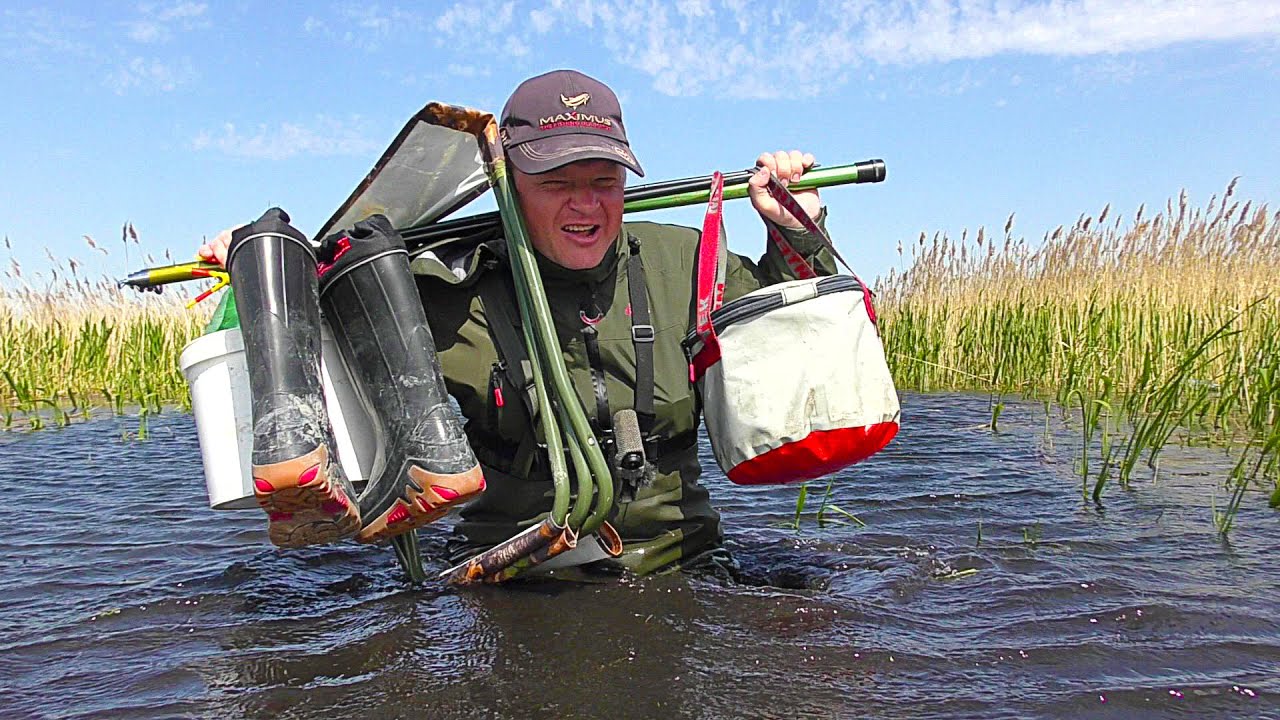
(215, 368)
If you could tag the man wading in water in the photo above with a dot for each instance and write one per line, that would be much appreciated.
(564, 136)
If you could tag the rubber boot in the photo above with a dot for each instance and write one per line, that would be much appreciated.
(296, 476)
(372, 306)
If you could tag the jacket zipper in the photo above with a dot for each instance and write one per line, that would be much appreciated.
(496, 400)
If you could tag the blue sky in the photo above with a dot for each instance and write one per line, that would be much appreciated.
(185, 117)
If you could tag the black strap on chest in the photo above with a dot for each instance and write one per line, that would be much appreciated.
(590, 314)
(499, 300)
(642, 336)
(499, 307)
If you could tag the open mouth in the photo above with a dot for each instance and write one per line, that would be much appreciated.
(582, 232)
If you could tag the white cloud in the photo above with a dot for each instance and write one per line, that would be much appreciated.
(369, 19)
(541, 21)
(941, 31)
(760, 50)
(157, 22)
(315, 26)
(476, 17)
(36, 36)
(693, 8)
(327, 137)
(467, 71)
(488, 29)
(146, 31)
(182, 11)
(148, 74)
(959, 84)
(42, 39)
(367, 26)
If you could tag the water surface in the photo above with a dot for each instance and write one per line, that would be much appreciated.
(123, 596)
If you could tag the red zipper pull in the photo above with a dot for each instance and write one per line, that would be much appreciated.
(495, 382)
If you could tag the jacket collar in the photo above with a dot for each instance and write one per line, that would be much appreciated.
(554, 273)
(460, 268)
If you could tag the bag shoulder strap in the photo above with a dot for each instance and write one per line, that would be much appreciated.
(710, 279)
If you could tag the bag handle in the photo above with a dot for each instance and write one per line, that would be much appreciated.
(799, 265)
(712, 258)
(802, 268)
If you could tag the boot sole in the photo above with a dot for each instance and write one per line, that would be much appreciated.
(440, 493)
(304, 505)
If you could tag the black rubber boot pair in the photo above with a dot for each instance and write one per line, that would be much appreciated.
(375, 313)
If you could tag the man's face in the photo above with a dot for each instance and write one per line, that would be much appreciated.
(573, 213)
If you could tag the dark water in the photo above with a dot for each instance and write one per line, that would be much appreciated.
(124, 596)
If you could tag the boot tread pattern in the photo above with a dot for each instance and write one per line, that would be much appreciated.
(304, 505)
(429, 497)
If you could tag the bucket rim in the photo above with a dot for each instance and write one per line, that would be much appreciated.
(210, 346)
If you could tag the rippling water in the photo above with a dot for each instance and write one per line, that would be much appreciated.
(124, 596)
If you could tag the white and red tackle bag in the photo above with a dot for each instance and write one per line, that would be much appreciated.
(793, 377)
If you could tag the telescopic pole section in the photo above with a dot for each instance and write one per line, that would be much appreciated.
(486, 226)
(654, 196)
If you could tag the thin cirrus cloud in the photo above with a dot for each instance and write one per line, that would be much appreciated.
(41, 39)
(365, 27)
(156, 23)
(324, 137)
(481, 27)
(148, 74)
(36, 37)
(744, 49)
(941, 31)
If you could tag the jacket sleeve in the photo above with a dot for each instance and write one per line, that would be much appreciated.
(743, 276)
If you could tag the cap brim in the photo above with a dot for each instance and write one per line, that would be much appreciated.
(547, 154)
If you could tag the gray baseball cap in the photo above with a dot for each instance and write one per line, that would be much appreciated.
(560, 117)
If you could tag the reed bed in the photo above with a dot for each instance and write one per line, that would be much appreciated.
(71, 345)
(1159, 329)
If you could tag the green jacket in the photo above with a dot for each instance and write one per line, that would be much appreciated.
(668, 521)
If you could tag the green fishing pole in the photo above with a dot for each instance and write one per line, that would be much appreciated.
(641, 198)
(696, 191)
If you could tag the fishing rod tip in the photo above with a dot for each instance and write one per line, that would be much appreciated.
(134, 280)
(140, 281)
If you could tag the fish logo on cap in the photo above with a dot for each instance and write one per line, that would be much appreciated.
(575, 102)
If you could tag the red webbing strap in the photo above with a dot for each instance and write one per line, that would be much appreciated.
(795, 260)
(710, 280)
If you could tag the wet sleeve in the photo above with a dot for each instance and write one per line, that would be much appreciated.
(742, 275)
